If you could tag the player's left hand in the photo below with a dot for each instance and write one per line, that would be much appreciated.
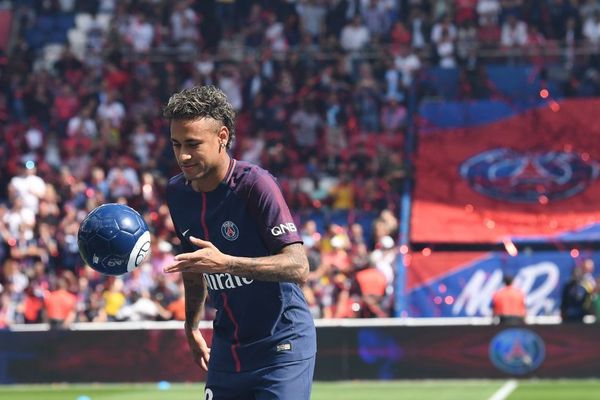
(206, 259)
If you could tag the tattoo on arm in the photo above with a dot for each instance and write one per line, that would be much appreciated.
(195, 295)
(290, 265)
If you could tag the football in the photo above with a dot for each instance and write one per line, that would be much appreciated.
(113, 239)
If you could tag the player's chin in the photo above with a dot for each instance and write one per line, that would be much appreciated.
(192, 172)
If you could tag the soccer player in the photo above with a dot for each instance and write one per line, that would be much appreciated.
(242, 247)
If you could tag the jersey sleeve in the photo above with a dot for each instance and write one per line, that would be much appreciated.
(275, 222)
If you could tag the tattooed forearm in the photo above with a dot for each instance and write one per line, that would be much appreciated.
(195, 295)
(291, 265)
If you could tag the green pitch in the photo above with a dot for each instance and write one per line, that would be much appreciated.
(396, 390)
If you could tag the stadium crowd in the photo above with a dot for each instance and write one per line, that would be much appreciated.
(322, 89)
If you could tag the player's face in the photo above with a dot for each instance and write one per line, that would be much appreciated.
(196, 144)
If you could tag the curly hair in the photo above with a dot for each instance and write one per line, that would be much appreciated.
(202, 102)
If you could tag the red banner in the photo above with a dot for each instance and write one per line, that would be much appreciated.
(535, 174)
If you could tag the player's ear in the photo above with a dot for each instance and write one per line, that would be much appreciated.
(223, 136)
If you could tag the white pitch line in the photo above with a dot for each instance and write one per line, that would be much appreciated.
(505, 390)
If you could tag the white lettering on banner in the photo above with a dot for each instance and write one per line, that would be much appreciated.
(538, 300)
(225, 281)
(476, 296)
(477, 293)
(283, 228)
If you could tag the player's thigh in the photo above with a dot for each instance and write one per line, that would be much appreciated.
(227, 386)
(292, 381)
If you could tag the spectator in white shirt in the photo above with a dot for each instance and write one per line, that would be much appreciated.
(274, 34)
(355, 35)
(514, 33)
(312, 16)
(488, 11)
(28, 186)
(443, 30)
(112, 110)
(408, 63)
(82, 125)
(184, 26)
(140, 33)
(142, 141)
(591, 28)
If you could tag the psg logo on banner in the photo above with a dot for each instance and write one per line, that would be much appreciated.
(230, 231)
(537, 177)
(517, 351)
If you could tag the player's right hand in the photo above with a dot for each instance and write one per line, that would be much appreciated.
(200, 350)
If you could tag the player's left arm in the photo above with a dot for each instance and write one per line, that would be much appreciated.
(289, 265)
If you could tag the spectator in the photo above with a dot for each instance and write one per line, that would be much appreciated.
(140, 33)
(306, 126)
(60, 305)
(176, 307)
(312, 16)
(142, 308)
(114, 300)
(354, 36)
(372, 287)
(508, 303)
(185, 34)
(587, 268)
(343, 194)
(383, 258)
(123, 179)
(393, 115)
(28, 185)
(576, 298)
(82, 126)
(274, 34)
(444, 30)
(112, 110)
(514, 33)
(6, 309)
(408, 63)
(488, 11)
(65, 106)
(142, 141)
(419, 28)
(33, 305)
(445, 50)
(377, 19)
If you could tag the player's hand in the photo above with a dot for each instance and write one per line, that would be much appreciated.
(200, 350)
(207, 259)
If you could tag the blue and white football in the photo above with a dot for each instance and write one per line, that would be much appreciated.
(113, 239)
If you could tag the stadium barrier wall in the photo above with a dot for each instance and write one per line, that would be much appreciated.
(348, 349)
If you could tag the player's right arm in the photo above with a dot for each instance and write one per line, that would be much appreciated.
(195, 295)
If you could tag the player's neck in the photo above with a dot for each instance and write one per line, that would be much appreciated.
(212, 181)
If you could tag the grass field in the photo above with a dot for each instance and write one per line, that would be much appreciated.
(397, 390)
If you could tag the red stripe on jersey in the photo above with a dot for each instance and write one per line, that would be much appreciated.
(203, 217)
(229, 174)
(236, 343)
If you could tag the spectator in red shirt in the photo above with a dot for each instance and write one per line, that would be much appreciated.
(508, 303)
(372, 285)
(32, 306)
(60, 305)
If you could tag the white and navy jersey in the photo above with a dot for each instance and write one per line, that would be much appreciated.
(257, 323)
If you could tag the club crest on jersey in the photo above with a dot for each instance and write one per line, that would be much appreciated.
(230, 231)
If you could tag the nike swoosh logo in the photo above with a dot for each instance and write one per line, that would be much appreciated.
(185, 232)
